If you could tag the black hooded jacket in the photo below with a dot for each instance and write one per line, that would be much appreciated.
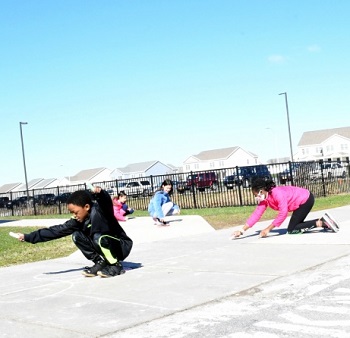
(100, 220)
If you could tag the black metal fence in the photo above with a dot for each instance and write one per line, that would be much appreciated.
(224, 187)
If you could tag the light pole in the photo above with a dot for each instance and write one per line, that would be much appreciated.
(290, 136)
(24, 159)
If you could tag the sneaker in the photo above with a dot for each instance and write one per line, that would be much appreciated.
(93, 270)
(309, 229)
(158, 222)
(295, 232)
(327, 224)
(111, 270)
(333, 221)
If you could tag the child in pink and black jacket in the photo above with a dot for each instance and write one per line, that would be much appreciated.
(121, 209)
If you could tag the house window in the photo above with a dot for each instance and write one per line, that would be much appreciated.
(344, 147)
(196, 166)
(319, 151)
(221, 164)
(330, 149)
(212, 165)
(188, 167)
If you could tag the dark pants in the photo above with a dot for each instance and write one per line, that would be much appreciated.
(99, 246)
(298, 216)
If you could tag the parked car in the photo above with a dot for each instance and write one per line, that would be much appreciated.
(246, 175)
(61, 198)
(202, 181)
(43, 199)
(3, 201)
(113, 191)
(301, 172)
(329, 170)
(287, 174)
(230, 181)
(138, 188)
(19, 202)
(180, 187)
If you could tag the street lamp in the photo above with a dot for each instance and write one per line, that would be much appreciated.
(24, 159)
(290, 136)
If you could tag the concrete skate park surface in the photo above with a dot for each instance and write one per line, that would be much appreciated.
(170, 269)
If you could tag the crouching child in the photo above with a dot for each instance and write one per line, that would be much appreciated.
(95, 231)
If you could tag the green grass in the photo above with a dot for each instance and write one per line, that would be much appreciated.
(14, 252)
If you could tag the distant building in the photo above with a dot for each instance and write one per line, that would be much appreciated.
(219, 159)
(7, 188)
(143, 169)
(31, 185)
(328, 144)
(91, 175)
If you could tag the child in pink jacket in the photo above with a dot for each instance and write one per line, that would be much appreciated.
(121, 209)
(285, 199)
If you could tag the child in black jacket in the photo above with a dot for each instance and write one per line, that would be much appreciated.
(95, 231)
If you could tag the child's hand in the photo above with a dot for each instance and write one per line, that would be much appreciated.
(236, 234)
(17, 235)
(264, 233)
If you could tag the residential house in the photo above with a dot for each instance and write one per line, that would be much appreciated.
(328, 144)
(143, 169)
(31, 185)
(6, 189)
(91, 175)
(219, 159)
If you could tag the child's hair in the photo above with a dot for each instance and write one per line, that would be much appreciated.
(80, 198)
(166, 182)
(121, 194)
(259, 183)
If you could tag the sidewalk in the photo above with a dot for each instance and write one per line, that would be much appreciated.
(170, 269)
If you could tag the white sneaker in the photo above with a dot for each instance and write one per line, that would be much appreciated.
(328, 224)
(333, 221)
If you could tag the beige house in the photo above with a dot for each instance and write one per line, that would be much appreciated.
(219, 159)
(91, 175)
(328, 144)
(143, 169)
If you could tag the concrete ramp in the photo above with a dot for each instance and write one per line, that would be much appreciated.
(170, 270)
(143, 229)
(140, 229)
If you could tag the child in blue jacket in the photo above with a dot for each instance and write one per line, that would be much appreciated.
(161, 205)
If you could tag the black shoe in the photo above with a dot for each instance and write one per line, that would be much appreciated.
(295, 232)
(111, 270)
(309, 229)
(92, 271)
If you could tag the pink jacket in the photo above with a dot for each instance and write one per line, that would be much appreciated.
(119, 213)
(284, 199)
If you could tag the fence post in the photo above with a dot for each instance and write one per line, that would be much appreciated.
(11, 196)
(59, 201)
(322, 178)
(193, 190)
(239, 186)
(34, 202)
(152, 184)
(291, 172)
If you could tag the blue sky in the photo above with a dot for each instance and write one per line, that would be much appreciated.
(108, 83)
